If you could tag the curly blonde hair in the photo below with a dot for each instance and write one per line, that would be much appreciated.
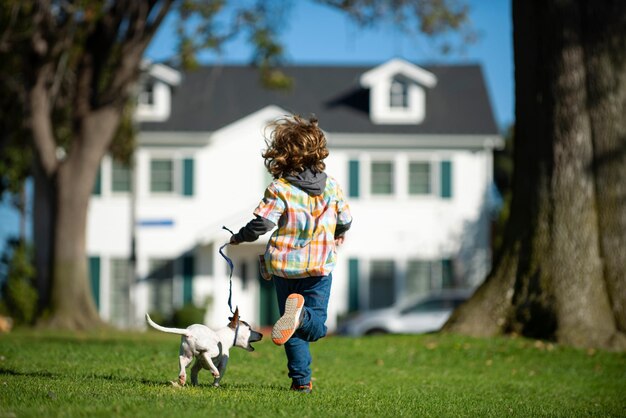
(294, 145)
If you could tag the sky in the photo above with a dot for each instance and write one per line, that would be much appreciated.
(316, 34)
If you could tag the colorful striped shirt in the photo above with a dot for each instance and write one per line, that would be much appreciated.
(303, 245)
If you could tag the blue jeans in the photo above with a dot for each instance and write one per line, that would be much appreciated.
(316, 291)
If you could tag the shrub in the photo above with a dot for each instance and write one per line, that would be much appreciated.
(19, 292)
(187, 315)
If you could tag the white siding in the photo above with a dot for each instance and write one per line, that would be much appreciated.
(229, 180)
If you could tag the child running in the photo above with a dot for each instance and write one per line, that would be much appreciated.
(312, 217)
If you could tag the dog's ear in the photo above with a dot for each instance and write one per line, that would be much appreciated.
(235, 319)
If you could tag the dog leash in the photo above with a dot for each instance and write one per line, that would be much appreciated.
(230, 283)
(230, 276)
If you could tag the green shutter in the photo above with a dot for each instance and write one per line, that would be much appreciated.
(446, 179)
(188, 177)
(447, 273)
(97, 186)
(188, 273)
(94, 275)
(354, 179)
(353, 285)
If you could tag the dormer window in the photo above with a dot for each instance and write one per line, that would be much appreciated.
(399, 94)
(154, 100)
(146, 96)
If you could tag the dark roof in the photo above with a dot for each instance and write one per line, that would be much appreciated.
(212, 97)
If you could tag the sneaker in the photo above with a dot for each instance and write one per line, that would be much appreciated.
(290, 321)
(308, 388)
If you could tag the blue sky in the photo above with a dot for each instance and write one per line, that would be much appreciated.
(317, 34)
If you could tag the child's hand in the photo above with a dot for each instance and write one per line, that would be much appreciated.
(339, 240)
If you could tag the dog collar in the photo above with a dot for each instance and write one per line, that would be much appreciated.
(236, 333)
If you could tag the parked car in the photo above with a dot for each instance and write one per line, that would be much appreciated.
(413, 316)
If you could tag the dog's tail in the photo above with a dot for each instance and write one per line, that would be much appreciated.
(179, 331)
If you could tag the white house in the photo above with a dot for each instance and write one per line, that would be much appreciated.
(412, 147)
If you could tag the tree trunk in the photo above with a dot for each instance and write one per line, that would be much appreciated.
(561, 269)
(43, 231)
(71, 302)
(605, 50)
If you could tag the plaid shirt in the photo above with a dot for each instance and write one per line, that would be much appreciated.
(304, 243)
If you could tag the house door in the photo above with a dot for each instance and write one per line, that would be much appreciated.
(268, 303)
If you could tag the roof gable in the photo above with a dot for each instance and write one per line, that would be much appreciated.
(398, 67)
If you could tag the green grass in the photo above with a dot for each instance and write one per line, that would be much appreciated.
(46, 375)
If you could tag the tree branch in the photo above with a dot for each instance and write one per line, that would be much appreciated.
(41, 124)
(132, 49)
(5, 44)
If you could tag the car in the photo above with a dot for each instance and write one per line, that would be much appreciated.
(413, 316)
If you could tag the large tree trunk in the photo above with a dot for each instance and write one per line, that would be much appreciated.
(561, 270)
(63, 190)
(71, 301)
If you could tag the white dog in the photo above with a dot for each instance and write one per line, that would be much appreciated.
(210, 348)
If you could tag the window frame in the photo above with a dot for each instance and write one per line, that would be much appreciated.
(392, 177)
(115, 166)
(398, 89)
(424, 161)
(146, 93)
(175, 174)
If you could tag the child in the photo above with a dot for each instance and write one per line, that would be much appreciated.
(312, 217)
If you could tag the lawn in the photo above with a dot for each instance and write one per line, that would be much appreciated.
(47, 375)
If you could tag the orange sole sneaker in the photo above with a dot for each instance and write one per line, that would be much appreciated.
(305, 388)
(289, 322)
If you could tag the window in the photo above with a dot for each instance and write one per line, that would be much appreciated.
(398, 94)
(120, 283)
(162, 175)
(382, 283)
(121, 177)
(431, 305)
(161, 278)
(419, 178)
(425, 275)
(418, 277)
(146, 97)
(382, 178)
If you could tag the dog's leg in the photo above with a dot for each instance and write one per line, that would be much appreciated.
(222, 369)
(195, 369)
(209, 362)
(183, 361)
